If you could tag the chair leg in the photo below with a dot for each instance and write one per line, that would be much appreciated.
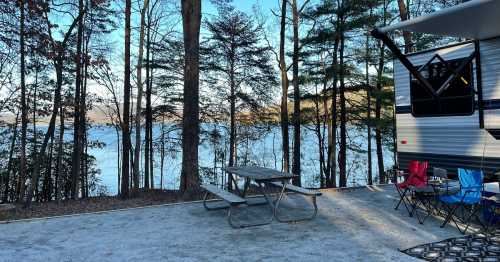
(402, 195)
(421, 199)
(450, 211)
(413, 205)
(467, 221)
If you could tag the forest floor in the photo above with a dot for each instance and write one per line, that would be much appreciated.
(142, 198)
(352, 225)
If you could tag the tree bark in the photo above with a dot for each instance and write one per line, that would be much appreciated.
(332, 133)
(343, 117)
(405, 15)
(24, 109)
(60, 152)
(149, 111)
(162, 152)
(137, 149)
(77, 125)
(284, 91)
(368, 109)
(118, 158)
(126, 108)
(378, 108)
(83, 113)
(319, 135)
(232, 125)
(11, 158)
(296, 96)
(191, 17)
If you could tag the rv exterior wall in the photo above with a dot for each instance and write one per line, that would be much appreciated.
(455, 141)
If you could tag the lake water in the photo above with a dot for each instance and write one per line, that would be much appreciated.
(263, 149)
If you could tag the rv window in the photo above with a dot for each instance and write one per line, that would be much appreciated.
(458, 99)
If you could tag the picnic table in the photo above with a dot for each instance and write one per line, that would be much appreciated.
(263, 178)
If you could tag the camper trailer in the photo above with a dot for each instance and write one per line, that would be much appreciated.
(448, 98)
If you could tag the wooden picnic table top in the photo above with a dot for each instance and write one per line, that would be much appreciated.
(259, 173)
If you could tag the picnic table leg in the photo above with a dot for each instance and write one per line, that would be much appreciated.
(237, 225)
(231, 209)
(269, 201)
(236, 188)
(245, 187)
(282, 220)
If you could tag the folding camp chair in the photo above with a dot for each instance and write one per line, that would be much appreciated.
(420, 192)
(402, 188)
(471, 184)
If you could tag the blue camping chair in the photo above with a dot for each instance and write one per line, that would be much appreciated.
(471, 185)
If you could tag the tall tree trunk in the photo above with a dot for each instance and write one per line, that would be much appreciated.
(147, 140)
(232, 126)
(368, 108)
(191, 18)
(296, 96)
(149, 111)
(46, 194)
(324, 129)
(404, 15)
(118, 158)
(77, 134)
(60, 152)
(162, 152)
(284, 91)
(332, 133)
(319, 136)
(11, 158)
(126, 107)
(83, 106)
(35, 93)
(24, 109)
(378, 131)
(137, 149)
(378, 108)
(343, 112)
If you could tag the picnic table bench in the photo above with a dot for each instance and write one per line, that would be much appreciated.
(262, 177)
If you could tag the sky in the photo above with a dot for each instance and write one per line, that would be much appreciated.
(116, 38)
(208, 10)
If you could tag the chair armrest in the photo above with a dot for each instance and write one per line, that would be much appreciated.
(472, 188)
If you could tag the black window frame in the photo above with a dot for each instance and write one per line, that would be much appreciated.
(471, 85)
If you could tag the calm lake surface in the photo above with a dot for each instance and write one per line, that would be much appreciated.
(263, 149)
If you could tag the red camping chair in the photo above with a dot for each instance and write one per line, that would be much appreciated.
(420, 191)
(420, 179)
(410, 179)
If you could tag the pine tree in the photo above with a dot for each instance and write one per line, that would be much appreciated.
(240, 66)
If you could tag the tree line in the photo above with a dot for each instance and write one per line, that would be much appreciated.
(223, 78)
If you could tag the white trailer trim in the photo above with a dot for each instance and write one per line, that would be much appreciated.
(476, 19)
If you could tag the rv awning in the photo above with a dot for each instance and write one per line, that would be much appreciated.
(476, 19)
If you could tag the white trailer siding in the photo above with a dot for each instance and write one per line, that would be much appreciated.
(455, 139)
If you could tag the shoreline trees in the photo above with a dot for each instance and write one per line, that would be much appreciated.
(56, 57)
